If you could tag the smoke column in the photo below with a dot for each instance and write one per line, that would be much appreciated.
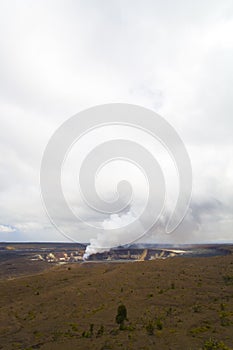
(105, 242)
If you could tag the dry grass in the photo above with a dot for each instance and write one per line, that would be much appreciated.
(172, 304)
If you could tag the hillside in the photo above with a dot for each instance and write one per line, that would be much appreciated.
(177, 303)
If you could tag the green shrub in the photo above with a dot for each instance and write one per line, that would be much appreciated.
(228, 280)
(198, 330)
(150, 328)
(91, 329)
(212, 344)
(88, 334)
(224, 320)
(196, 308)
(100, 331)
(159, 324)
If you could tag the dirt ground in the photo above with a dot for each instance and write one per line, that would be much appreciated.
(177, 303)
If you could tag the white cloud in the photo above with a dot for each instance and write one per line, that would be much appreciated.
(7, 229)
(59, 57)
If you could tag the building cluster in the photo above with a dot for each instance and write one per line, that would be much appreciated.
(112, 255)
(59, 257)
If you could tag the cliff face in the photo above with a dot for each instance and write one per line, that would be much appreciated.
(134, 254)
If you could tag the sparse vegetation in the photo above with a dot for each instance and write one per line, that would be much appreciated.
(159, 324)
(150, 327)
(100, 331)
(198, 330)
(224, 319)
(212, 344)
(197, 308)
(79, 308)
(228, 280)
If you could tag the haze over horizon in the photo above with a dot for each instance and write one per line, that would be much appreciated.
(61, 57)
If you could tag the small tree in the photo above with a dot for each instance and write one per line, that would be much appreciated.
(121, 315)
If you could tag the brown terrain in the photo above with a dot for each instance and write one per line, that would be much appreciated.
(176, 303)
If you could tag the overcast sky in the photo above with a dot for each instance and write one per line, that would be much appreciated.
(60, 57)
